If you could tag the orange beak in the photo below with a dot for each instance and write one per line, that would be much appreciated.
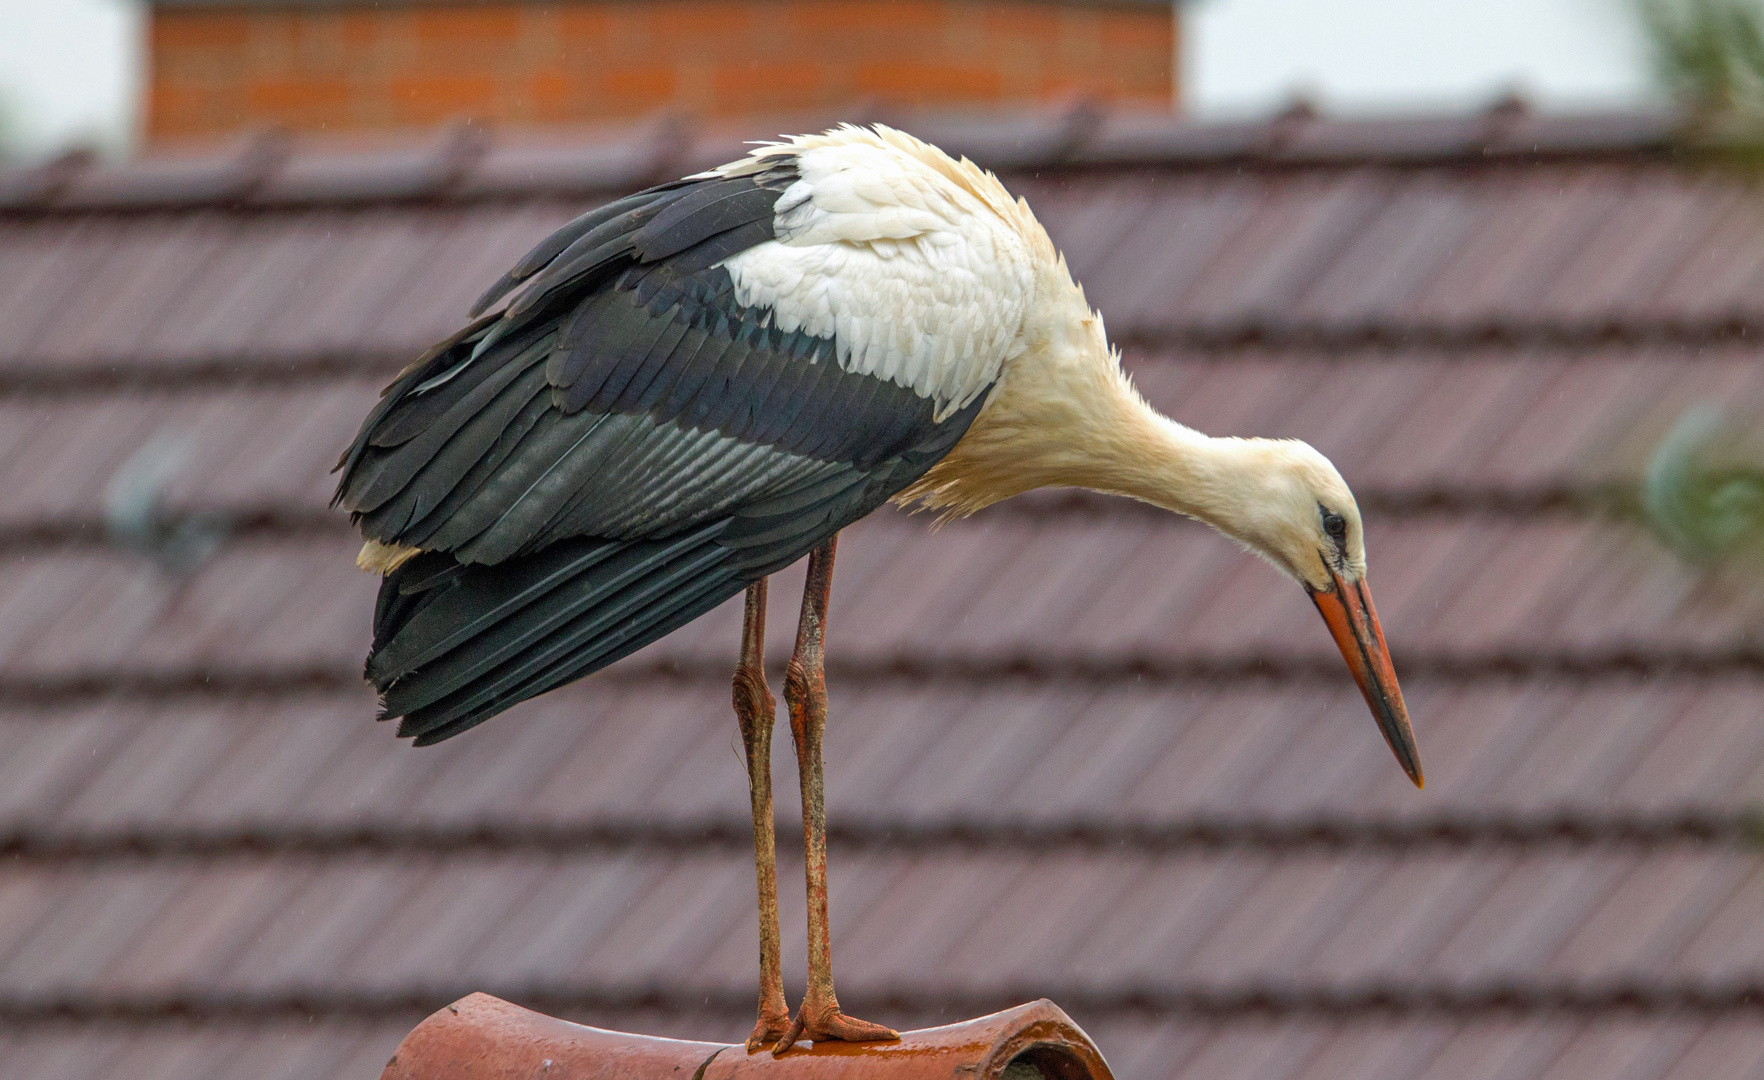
(1353, 621)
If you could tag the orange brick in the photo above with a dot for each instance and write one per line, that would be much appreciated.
(482, 24)
(174, 111)
(655, 84)
(184, 65)
(918, 82)
(1134, 29)
(1040, 21)
(562, 97)
(752, 88)
(726, 21)
(567, 29)
(316, 44)
(200, 30)
(300, 102)
(548, 63)
(552, 90)
(297, 94)
(428, 99)
(861, 16)
(359, 29)
(592, 21)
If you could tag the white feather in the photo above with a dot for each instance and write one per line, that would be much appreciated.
(929, 274)
(919, 279)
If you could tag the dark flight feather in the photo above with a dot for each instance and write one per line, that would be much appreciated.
(701, 213)
(552, 246)
(622, 449)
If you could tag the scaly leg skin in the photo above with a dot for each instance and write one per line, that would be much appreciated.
(754, 711)
(805, 690)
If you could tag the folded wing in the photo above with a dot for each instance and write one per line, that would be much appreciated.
(620, 449)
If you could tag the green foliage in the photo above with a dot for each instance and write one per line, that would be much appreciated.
(1709, 54)
(1702, 507)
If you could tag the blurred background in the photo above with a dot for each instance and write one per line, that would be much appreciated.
(1503, 262)
(74, 72)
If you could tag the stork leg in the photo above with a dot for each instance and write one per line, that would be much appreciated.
(805, 691)
(754, 711)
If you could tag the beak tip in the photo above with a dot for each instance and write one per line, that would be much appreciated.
(1403, 745)
(1353, 623)
(1411, 765)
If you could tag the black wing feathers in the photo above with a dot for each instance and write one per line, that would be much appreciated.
(456, 477)
(548, 249)
(396, 392)
(571, 611)
(418, 460)
(621, 449)
(701, 213)
(473, 603)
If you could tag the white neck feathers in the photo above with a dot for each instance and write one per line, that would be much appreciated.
(1065, 415)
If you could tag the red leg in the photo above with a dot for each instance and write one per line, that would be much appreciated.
(754, 711)
(805, 690)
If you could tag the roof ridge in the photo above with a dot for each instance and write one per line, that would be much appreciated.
(1653, 666)
(1256, 1001)
(272, 522)
(1563, 829)
(464, 162)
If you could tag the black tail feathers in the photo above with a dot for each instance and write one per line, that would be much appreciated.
(456, 644)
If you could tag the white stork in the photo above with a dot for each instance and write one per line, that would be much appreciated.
(696, 386)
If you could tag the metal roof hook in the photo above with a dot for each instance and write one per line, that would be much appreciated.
(136, 518)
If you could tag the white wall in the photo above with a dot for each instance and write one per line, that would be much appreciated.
(69, 72)
(1358, 55)
(70, 69)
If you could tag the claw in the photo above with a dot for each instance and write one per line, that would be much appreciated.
(832, 1026)
(768, 1030)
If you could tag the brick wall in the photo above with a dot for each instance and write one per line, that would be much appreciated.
(217, 68)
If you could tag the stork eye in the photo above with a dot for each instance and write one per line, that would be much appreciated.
(1335, 525)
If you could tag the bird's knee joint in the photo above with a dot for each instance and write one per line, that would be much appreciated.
(754, 706)
(805, 693)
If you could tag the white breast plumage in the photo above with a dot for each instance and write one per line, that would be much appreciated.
(918, 281)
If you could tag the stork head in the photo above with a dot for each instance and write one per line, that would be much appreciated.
(1299, 514)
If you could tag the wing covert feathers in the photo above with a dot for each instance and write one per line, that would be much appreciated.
(633, 438)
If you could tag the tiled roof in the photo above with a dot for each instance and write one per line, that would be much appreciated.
(1077, 747)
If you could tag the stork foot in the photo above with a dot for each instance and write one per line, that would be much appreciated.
(771, 1027)
(831, 1025)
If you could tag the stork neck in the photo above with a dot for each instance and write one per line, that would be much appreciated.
(1145, 455)
(1065, 415)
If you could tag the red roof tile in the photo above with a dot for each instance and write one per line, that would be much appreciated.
(994, 592)
(608, 765)
(923, 928)
(1069, 722)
